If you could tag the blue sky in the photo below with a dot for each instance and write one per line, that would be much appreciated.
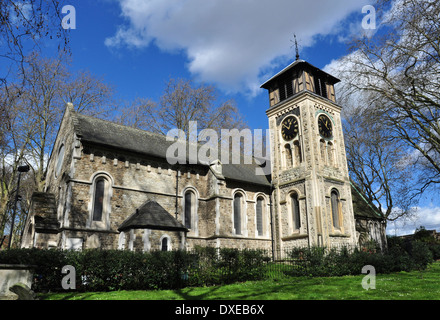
(235, 45)
(111, 42)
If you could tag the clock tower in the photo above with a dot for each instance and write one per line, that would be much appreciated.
(312, 193)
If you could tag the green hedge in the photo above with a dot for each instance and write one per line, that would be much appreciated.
(400, 256)
(109, 270)
(105, 270)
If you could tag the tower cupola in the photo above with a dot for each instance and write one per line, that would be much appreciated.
(298, 77)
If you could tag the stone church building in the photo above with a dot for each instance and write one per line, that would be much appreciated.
(110, 186)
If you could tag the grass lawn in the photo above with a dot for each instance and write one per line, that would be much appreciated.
(397, 286)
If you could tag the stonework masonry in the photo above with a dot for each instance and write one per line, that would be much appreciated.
(101, 174)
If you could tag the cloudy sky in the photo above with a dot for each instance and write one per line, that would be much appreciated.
(138, 45)
(229, 42)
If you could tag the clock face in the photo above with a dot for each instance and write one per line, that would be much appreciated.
(289, 128)
(325, 126)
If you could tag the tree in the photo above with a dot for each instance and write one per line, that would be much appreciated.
(23, 25)
(35, 103)
(421, 234)
(12, 151)
(397, 75)
(181, 103)
(379, 165)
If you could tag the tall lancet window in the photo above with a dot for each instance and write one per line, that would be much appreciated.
(260, 210)
(297, 153)
(322, 145)
(296, 222)
(330, 154)
(164, 244)
(335, 202)
(237, 212)
(98, 203)
(188, 209)
(288, 152)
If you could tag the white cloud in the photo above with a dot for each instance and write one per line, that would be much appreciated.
(428, 216)
(229, 42)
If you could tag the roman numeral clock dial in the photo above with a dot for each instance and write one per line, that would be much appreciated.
(289, 128)
(325, 126)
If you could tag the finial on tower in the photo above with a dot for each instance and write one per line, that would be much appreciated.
(296, 47)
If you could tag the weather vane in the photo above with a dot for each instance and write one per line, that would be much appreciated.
(296, 47)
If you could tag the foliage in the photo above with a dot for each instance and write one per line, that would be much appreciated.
(48, 264)
(24, 25)
(110, 270)
(36, 98)
(396, 286)
(394, 77)
(106, 270)
(324, 262)
(181, 102)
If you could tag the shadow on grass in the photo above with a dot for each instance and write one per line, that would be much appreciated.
(67, 296)
(401, 285)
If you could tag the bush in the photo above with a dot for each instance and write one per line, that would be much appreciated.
(109, 270)
(421, 254)
(401, 256)
(48, 264)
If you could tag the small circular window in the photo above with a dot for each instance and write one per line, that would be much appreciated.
(59, 161)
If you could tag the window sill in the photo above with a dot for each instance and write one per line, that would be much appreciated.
(340, 235)
(295, 237)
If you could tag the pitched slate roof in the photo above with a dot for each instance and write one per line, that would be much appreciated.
(363, 208)
(114, 135)
(299, 64)
(152, 215)
(110, 134)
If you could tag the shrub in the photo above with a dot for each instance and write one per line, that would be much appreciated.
(48, 264)
(402, 256)
(104, 270)
(421, 255)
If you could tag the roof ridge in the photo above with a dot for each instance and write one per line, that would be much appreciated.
(151, 215)
(74, 117)
(108, 133)
(369, 203)
(162, 136)
(117, 124)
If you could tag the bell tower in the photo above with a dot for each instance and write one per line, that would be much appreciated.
(312, 194)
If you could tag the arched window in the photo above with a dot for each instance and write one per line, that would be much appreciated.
(189, 203)
(335, 209)
(164, 244)
(297, 153)
(296, 222)
(288, 152)
(59, 160)
(237, 213)
(189, 214)
(98, 202)
(330, 154)
(322, 145)
(100, 194)
(260, 213)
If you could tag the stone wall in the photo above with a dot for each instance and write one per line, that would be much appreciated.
(312, 179)
(137, 178)
(11, 275)
(150, 240)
